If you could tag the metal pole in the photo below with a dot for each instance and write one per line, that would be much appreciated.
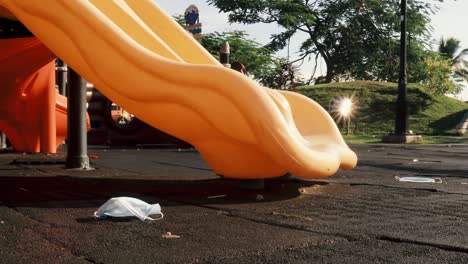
(3, 144)
(348, 125)
(224, 53)
(77, 157)
(401, 121)
(61, 77)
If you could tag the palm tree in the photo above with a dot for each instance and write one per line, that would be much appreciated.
(449, 48)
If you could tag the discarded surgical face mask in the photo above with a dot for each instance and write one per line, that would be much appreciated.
(128, 206)
(419, 179)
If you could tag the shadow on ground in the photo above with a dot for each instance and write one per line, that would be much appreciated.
(69, 192)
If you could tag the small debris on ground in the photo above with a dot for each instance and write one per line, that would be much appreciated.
(418, 179)
(217, 196)
(24, 190)
(1, 222)
(93, 156)
(259, 198)
(169, 235)
(415, 160)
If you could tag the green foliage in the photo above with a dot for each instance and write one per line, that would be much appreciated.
(260, 62)
(375, 106)
(180, 19)
(441, 72)
(449, 48)
(355, 38)
(436, 75)
(284, 76)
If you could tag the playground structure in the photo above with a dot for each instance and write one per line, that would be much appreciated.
(33, 115)
(243, 130)
(114, 126)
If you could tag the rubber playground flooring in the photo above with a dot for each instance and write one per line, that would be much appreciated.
(360, 216)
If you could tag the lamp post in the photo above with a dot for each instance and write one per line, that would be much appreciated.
(402, 134)
(401, 121)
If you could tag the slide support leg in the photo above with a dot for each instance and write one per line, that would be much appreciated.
(49, 123)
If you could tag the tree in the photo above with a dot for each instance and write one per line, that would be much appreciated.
(285, 76)
(459, 65)
(436, 75)
(180, 19)
(260, 61)
(354, 37)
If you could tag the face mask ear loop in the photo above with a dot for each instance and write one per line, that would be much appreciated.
(152, 219)
(99, 216)
(437, 180)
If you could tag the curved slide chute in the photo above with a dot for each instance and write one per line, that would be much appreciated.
(145, 62)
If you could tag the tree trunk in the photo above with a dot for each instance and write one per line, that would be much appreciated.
(329, 76)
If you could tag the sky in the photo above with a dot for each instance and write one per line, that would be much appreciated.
(450, 21)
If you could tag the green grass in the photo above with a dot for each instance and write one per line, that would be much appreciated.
(362, 139)
(375, 107)
(444, 140)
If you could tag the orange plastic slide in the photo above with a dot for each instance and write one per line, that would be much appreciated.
(32, 114)
(145, 62)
